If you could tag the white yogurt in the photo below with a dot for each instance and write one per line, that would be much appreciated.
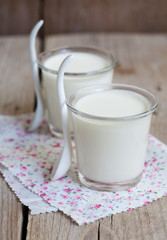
(81, 63)
(110, 151)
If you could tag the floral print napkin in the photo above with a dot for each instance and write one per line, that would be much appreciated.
(29, 158)
(34, 202)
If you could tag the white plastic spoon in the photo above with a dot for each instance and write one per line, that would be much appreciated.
(39, 112)
(63, 163)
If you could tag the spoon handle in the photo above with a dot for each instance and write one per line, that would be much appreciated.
(62, 102)
(63, 163)
(39, 112)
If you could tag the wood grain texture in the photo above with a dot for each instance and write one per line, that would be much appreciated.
(63, 16)
(145, 223)
(16, 82)
(16, 97)
(10, 213)
(58, 226)
(18, 17)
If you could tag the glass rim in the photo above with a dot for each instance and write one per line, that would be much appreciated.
(112, 61)
(104, 87)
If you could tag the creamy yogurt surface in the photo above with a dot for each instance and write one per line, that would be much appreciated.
(113, 103)
(82, 62)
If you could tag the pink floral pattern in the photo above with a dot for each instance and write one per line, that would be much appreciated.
(34, 202)
(30, 157)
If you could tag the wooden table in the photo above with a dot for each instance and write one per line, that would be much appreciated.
(143, 62)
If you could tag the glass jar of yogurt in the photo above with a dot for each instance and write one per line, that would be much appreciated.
(89, 66)
(111, 127)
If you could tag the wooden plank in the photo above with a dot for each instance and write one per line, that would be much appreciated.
(63, 16)
(143, 63)
(16, 83)
(16, 96)
(18, 17)
(11, 213)
(145, 223)
(53, 226)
